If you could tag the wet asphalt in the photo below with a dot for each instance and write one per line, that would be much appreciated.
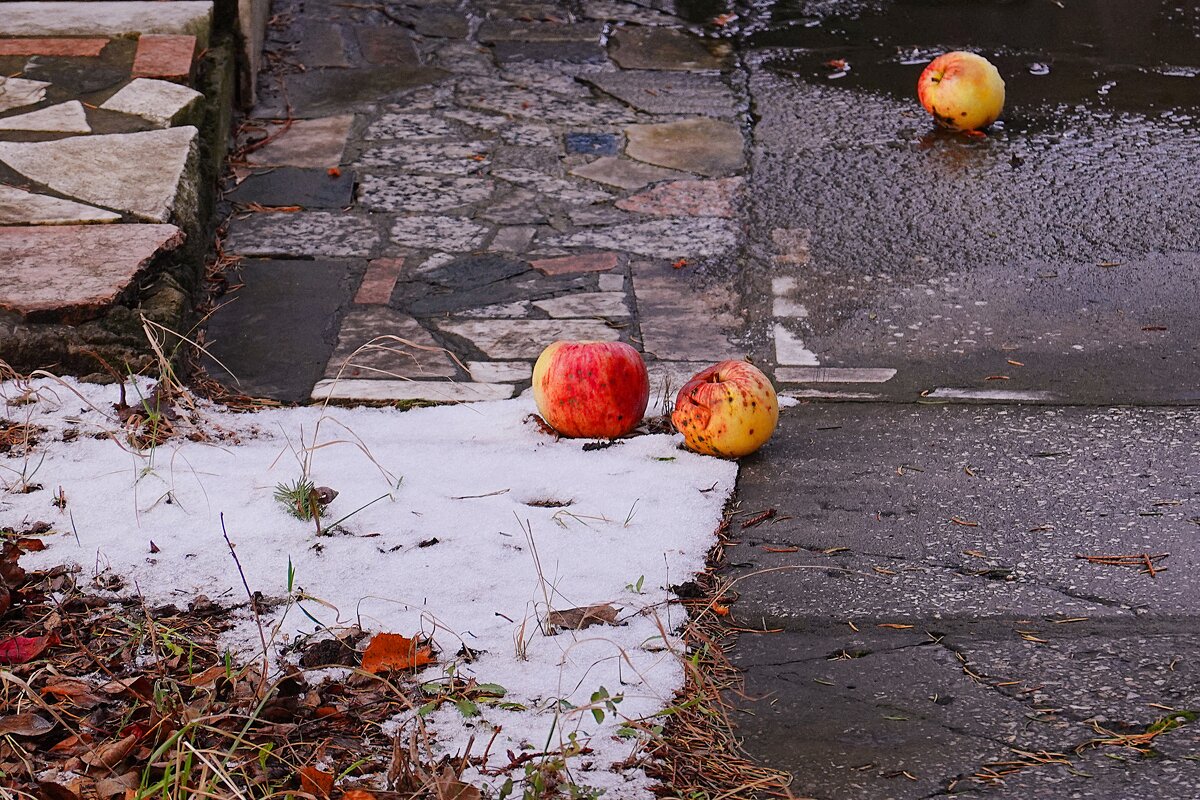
(940, 621)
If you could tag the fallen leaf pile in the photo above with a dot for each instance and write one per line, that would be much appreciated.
(102, 697)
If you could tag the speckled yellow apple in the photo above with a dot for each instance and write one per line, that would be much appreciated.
(728, 410)
(593, 390)
(963, 91)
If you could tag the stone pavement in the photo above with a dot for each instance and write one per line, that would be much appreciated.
(478, 181)
(104, 142)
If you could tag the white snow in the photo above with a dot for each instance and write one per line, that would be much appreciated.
(465, 475)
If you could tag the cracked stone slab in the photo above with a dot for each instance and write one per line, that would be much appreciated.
(317, 143)
(411, 127)
(66, 117)
(304, 233)
(667, 49)
(1030, 489)
(705, 146)
(526, 338)
(714, 198)
(111, 19)
(71, 273)
(681, 321)
(666, 238)
(450, 234)
(657, 92)
(162, 102)
(458, 158)
(363, 351)
(558, 188)
(625, 173)
(138, 173)
(421, 192)
(586, 305)
(18, 92)
(18, 207)
(385, 391)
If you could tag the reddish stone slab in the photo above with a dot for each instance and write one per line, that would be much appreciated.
(579, 262)
(72, 273)
(379, 281)
(686, 199)
(165, 56)
(51, 47)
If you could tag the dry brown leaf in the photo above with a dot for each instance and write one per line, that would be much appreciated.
(390, 651)
(576, 619)
(316, 781)
(55, 791)
(25, 725)
(79, 693)
(111, 753)
(449, 787)
(116, 786)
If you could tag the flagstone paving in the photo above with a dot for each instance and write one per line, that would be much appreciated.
(532, 181)
(85, 140)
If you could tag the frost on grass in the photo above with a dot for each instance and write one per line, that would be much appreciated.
(461, 525)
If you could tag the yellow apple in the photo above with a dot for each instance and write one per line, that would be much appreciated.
(963, 91)
(728, 410)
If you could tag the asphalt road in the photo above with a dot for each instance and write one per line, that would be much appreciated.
(942, 623)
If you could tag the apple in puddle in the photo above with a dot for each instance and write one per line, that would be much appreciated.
(728, 410)
(593, 390)
(963, 91)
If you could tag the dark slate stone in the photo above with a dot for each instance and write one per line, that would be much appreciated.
(277, 332)
(594, 144)
(72, 77)
(569, 52)
(327, 91)
(494, 30)
(293, 186)
(476, 270)
(481, 280)
(441, 22)
(322, 45)
(386, 45)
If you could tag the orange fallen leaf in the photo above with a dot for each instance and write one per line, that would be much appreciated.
(680, 264)
(333, 172)
(358, 794)
(721, 20)
(720, 610)
(316, 781)
(389, 651)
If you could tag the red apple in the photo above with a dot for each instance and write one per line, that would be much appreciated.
(594, 390)
(728, 410)
(963, 91)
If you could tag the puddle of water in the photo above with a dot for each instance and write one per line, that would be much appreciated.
(1122, 56)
